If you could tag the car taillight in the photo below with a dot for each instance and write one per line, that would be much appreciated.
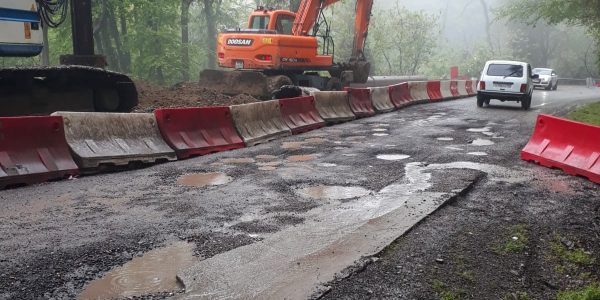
(265, 57)
(221, 55)
(523, 88)
(482, 85)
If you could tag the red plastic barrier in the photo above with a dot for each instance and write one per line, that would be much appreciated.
(198, 130)
(469, 86)
(454, 88)
(400, 94)
(360, 102)
(433, 90)
(300, 114)
(571, 146)
(33, 150)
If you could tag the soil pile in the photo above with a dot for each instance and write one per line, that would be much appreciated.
(187, 94)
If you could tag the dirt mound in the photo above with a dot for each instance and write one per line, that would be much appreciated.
(187, 94)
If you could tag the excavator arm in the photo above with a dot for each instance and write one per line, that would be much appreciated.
(308, 14)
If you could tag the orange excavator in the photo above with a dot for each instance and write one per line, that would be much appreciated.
(281, 47)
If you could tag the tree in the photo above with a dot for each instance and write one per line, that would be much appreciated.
(584, 13)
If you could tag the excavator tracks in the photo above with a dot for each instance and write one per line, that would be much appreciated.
(42, 91)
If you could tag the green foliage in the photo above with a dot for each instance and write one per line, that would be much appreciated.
(585, 13)
(515, 242)
(575, 256)
(444, 292)
(401, 41)
(590, 292)
(587, 114)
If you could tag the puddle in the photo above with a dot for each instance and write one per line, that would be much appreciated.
(327, 165)
(477, 153)
(325, 192)
(484, 129)
(482, 142)
(445, 139)
(292, 145)
(241, 160)
(204, 179)
(266, 157)
(453, 148)
(380, 134)
(270, 163)
(152, 273)
(379, 129)
(307, 157)
(317, 140)
(355, 138)
(393, 156)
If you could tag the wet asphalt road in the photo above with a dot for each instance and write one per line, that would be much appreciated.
(56, 237)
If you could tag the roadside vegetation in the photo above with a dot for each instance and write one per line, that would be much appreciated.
(515, 241)
(171, 42)
(587, 114)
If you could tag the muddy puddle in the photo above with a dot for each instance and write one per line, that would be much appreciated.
(482, 142)
(241, 160)
(307, 157)
(315, 140)
(204, 179)
(292, 145)
(154, 272)
(325, 192)
(392, 156)
(266, 157)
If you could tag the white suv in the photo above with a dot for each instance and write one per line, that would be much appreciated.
(506, 81)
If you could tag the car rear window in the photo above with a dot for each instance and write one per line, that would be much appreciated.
(505, 70)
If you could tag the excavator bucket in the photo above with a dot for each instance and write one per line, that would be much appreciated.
(231, 83)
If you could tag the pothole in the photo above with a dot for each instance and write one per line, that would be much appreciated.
(325, 192)
(393, 156)
(445, 139)
(204, 179)
(266, 157)
(316, 140)
(355, 138)
(484, 129)
(292, 145)
(477, 153)
(327, 165)
(306, 157)
(453, 148)
(241, 160)
(154, 272)
(482, 142)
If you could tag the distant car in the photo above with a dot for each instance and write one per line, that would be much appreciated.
(548, 79)
(506, 81)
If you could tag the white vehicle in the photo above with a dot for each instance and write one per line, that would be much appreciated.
(506, 81)
(548, 79)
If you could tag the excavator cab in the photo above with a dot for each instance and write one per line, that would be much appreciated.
(279, 21)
